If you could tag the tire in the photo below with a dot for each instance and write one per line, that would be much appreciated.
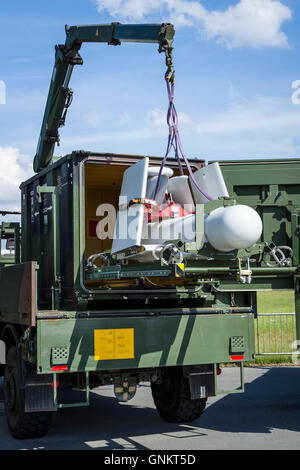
(172, 397)
(22, 425)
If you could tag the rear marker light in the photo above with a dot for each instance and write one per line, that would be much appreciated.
(59, 368)
(236, 358)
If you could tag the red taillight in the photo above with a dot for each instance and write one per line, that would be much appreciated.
(59, 368)
(236, 358)
(219, 371)
(56, 384)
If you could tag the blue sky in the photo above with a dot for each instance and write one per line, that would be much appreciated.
(235, 63)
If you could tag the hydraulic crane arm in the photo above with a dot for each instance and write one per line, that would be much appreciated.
(67, 56)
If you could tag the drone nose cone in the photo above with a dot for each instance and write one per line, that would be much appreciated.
(233, 228)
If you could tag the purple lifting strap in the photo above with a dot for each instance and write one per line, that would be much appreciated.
(175, 142)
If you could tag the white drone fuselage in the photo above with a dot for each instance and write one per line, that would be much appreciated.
(225, 228)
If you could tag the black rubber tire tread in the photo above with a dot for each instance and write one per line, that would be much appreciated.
(22, 425)
(176, 407)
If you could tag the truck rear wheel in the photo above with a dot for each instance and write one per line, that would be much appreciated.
(22, 425)
(172, 397)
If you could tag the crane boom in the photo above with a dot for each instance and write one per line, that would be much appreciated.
(67, 56)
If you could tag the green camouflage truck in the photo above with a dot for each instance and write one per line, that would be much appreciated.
(69, 319)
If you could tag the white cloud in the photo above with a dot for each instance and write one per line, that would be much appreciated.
(261, 127)
(14, 168)
(123, 119)
(263, 114)
(254, 23)
(249, 22)
(157, 118)
(257, 127)
(92, 118)
(132, 9)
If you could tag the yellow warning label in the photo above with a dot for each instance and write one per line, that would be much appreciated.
(114, 344)
(179, 269)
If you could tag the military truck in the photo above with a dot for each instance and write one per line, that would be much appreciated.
(73, 313)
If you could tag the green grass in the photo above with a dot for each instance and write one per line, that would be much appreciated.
(269, 328)
(276, 301)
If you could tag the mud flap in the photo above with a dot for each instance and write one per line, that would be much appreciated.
(2, 352)
(39, 394)
(2, 357)
(201, 380)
